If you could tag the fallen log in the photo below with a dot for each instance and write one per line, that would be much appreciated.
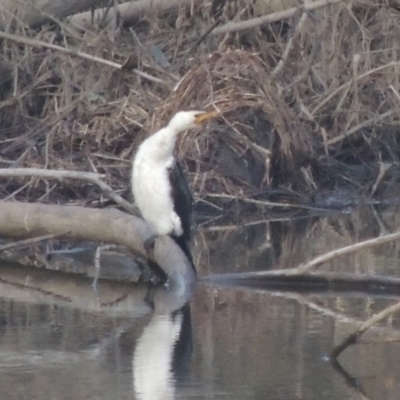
(23, 220)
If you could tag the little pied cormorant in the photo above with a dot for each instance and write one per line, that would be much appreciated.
(159, 186)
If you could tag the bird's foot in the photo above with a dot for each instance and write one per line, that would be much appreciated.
(149, 246)
(159, 276)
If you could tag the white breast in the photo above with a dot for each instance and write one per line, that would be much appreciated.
(152, 191)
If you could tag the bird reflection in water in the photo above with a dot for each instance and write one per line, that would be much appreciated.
(163, 351)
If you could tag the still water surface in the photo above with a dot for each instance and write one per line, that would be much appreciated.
(228, 343)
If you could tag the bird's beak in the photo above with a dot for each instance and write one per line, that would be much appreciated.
(204, 117)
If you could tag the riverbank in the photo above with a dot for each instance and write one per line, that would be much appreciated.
(309, 106)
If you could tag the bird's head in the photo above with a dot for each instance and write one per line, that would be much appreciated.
(184, 120)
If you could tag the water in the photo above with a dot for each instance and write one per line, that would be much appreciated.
(62, 340)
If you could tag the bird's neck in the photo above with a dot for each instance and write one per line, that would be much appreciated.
(164, 141)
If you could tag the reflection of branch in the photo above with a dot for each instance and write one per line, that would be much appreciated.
(351, 381)
(376, 331)
(79, 175)
(352, 338)
(37, 285)
(320, 281)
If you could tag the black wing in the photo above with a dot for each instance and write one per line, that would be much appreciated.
(182, 199)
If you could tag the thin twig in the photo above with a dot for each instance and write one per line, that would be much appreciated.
(352, 131)
(259, 202)
(15, 192)
(79, 175)
(39, 44)
(356, 103)
(205, 34)
(279, 67)
(265, 153)
(309, 64)
(274, 17)
(383, 168)
(30, 241)
(227, 228)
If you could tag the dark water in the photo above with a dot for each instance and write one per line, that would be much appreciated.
(61, 340)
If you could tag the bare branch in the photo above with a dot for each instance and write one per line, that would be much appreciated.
(79, 175)
(369, 122)
(353, 248)
(266, 19)
(279, 67)
(303, 270)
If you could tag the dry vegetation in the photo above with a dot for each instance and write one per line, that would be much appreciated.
(309, 104)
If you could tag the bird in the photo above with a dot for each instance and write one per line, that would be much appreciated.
(162, 355)
(159, 187)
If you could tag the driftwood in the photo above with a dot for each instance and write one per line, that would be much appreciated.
(128, 13)
(34, 13)
(267, 19)
(37, 12)
(22, 220)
